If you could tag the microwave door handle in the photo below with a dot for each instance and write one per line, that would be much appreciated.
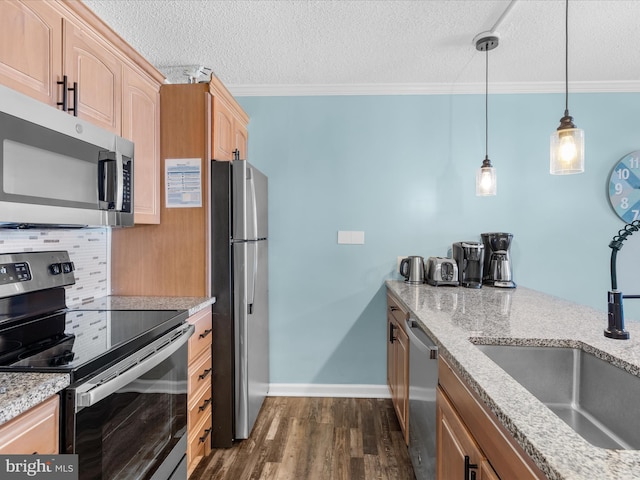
(119, 182)
(106, 180)
(90, 393)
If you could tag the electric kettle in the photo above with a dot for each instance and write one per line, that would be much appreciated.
(412, 269)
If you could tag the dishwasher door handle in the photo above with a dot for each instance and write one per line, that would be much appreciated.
(430, 350)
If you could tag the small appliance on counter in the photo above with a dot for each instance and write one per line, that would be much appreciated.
(469, 257)
(442, 271)
(497, 260)
(412, 269)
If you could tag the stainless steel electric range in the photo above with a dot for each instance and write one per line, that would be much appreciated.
(125, 412)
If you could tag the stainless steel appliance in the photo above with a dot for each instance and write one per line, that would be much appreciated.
(57, 169)
(412, 269)
(423, 381)
(124, 413)
(442, 271)
(497, 259)
(469, 257)
(240, 283)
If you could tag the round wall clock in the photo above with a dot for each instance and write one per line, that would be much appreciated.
(624, 187)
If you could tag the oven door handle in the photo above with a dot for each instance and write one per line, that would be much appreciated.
(123, 373)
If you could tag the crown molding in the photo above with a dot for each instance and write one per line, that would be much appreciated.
(430, 89)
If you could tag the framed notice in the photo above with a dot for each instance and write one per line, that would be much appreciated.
(183, 182)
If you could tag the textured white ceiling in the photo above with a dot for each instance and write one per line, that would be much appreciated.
(385, 46)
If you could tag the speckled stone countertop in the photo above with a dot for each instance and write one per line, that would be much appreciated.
(454, 317)
(21, 391)
(118, 302)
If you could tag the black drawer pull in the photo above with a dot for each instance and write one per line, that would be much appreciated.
(205, 374)
(207, 432)
(205, 333)
(205, 404)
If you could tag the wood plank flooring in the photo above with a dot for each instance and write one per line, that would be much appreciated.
(298, 438)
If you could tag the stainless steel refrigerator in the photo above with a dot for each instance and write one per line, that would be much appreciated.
(239, 281)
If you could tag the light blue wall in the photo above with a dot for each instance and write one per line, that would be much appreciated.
(402, 169)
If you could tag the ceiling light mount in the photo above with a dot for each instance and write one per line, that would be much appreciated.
(486, 41)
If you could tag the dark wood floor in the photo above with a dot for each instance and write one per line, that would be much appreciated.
(316, 439)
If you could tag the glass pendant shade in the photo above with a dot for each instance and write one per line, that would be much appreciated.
(567, 152)
(486, 181)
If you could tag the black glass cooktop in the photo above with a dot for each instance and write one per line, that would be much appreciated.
(81, 342)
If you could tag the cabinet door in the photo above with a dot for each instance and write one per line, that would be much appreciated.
(141, 124)
(223, 133)
(454, 443)
(34, 431)
(98, 72)
(31, 48)
(241, 138)
(402, 380)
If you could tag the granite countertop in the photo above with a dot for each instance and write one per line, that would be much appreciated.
(454, 317)
(20, 391)
(121, 302)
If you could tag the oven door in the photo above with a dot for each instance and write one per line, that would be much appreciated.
(131, 420)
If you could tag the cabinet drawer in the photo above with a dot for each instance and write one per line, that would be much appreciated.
(34, 431)
(201, 338)
(199, 373)
(396, 311)
(199, 408)
(199, 443)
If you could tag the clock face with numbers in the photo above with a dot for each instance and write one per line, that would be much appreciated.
(624, 187)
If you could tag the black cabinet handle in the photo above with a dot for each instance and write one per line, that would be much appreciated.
(393, 308)
(468, 466)
(391, 332)
(205, 333)
(74, 89)
(205, 404)
(204, 374)
(204, 437)
(63, 103)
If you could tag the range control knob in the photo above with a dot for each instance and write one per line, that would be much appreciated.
(55, 269)
(68, 267)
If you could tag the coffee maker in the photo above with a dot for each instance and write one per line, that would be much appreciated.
(469, 257)
(497, 260)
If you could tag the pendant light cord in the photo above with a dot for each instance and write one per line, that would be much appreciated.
(566, 59)
(486, 106)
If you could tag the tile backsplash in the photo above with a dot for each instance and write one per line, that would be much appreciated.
(88, 250)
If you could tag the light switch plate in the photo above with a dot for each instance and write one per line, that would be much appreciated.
(357, 238)
(344, 237)
(348, 237)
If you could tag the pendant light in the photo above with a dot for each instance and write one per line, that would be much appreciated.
(486, 181)
(567, 142)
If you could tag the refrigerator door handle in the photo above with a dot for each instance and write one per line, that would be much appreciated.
(252, 204)
(251, 294)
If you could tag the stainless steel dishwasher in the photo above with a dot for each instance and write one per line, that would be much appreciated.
(423, 381)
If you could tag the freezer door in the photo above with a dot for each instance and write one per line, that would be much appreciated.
(250, 190)
(251, 317)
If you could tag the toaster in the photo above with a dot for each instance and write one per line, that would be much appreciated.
(442, 271)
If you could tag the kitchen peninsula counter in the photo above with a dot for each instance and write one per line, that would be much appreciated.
(454, 317)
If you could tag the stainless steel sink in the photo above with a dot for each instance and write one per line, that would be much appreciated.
(595, 398)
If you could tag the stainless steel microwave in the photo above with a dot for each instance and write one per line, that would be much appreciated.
(59, 170)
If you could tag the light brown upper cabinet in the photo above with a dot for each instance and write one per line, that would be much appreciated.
(141, 122)
(98, 74)
(229, 125)
(30, 49)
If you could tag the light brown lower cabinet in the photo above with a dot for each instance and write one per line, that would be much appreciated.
(34, 431)
(398, 362)
(470, 441)
(199, 395)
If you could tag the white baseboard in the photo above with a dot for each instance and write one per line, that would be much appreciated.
(328, 390)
